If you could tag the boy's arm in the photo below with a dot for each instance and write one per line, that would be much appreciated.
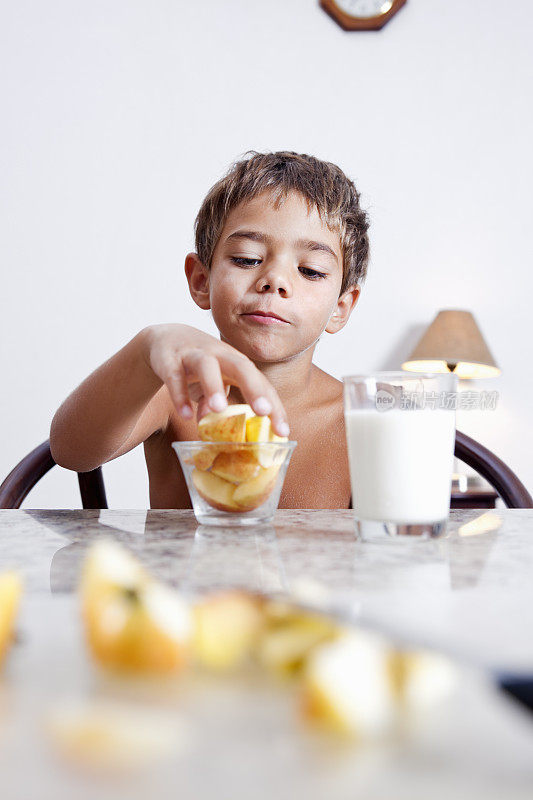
(116, 408)
(131, 396)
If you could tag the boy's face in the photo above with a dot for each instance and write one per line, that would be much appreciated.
(281, 260)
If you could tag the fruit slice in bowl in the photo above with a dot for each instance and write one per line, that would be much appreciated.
(253, 493)
(236, 465)
(225, 495)
(203, 458)
(215, 490)
(237, 468)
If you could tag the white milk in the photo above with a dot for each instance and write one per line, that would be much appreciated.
(401, 463)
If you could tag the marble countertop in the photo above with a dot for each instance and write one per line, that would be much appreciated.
(470, 594)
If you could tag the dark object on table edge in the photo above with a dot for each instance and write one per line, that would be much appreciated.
(519, 687)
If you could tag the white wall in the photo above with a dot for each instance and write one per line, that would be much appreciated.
(119, 116)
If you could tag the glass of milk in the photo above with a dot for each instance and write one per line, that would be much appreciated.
(400, 433)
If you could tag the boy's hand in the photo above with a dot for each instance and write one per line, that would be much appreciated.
(195, 365)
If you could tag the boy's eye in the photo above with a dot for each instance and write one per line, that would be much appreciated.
(312, 273)
(245, 262)
(252, 262)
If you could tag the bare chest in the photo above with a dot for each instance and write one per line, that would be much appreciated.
(318, 475)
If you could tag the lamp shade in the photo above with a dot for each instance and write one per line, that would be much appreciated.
(453, 342)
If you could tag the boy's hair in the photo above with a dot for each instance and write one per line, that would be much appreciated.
(321, 183)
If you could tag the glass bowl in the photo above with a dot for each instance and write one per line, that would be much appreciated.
(234, 483)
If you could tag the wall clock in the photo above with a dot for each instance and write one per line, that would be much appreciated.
(362, 15)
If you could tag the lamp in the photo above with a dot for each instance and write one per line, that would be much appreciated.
(454, 343)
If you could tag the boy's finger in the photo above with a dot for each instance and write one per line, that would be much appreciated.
(198, 397)
(176, 382)
(207, 369)
(196, 391)
(257, 391)
(202, 409)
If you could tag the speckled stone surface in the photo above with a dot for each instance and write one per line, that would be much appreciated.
(470, 592)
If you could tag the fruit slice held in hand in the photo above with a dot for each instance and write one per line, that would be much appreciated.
(225, 426)
(10, 591)
(133, 622)
(259, 429)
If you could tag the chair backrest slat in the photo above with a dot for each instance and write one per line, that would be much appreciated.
(512, 491)
(92, 489)
(25, 475)
(31, 469)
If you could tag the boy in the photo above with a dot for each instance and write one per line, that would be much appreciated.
(280, 234)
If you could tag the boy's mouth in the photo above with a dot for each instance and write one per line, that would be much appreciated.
(265, 317)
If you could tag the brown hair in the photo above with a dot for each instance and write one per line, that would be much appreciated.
(323, 184)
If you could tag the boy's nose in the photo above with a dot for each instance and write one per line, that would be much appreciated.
(274, 280)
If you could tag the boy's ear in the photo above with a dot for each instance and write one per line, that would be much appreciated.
(345, 306)
(198, 279)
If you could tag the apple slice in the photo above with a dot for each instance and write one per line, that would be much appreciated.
(215, 490)
(203, 459)
(236, 465)
(107, 735)
(108, 566)
(132, 622)
(10, 591)
(230, 429)
(290, 635)
(226, 628)
(228, 425)
(271, 456)
(258, 429)
(421, 679)
(347, 685)
(253, 493)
